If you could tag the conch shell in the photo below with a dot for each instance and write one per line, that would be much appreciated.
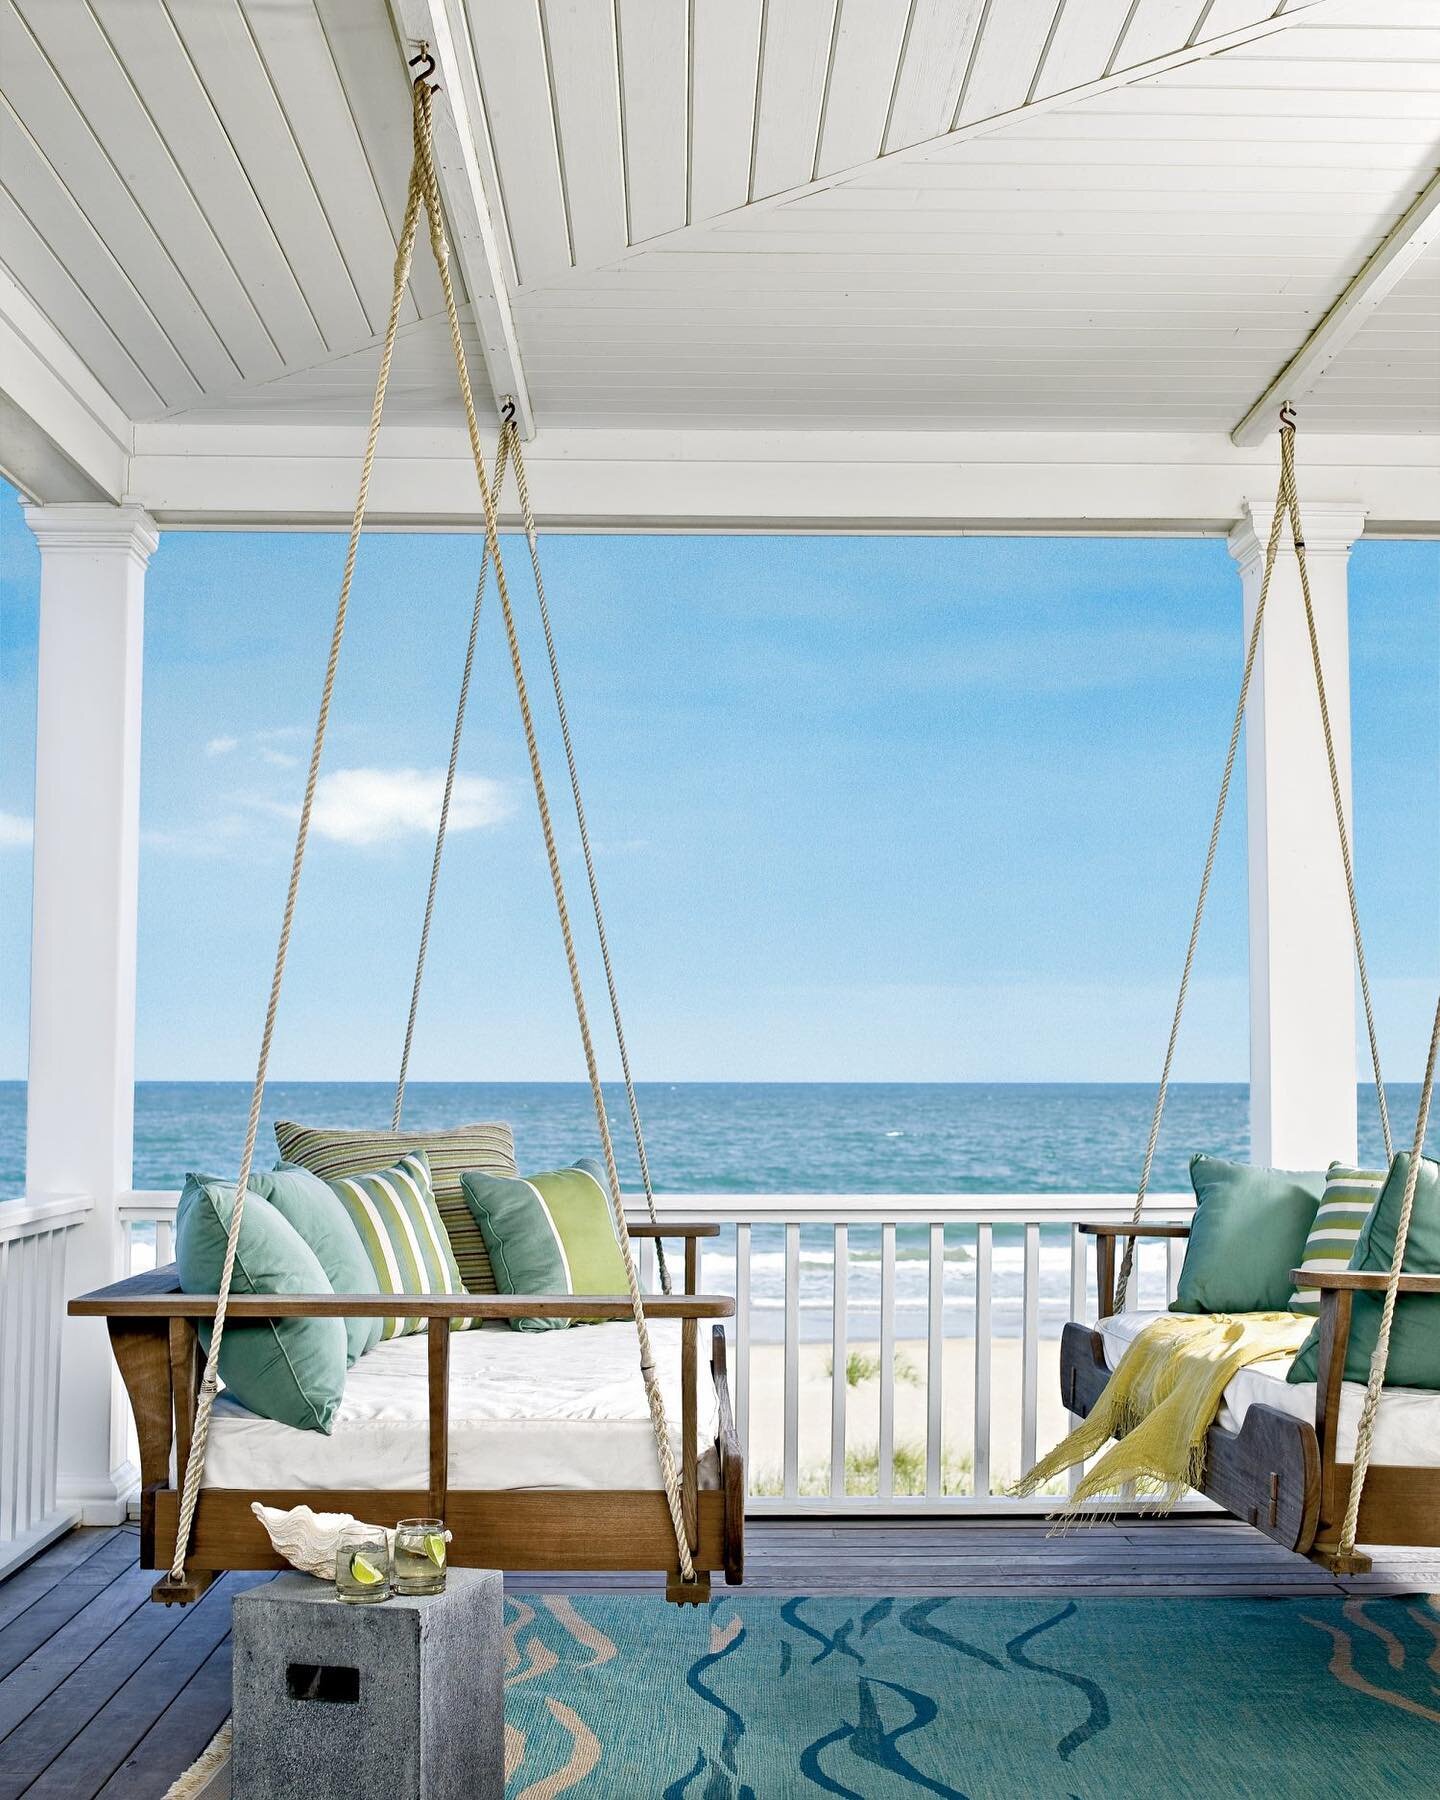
(308, 1540)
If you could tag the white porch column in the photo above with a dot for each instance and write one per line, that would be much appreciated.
(80, 1103)
(1302, 971)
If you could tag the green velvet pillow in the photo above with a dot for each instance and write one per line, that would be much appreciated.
(550, 1234)
(1414, 1360)
(309, 1204)
(292, 1370)
(1248, 1233)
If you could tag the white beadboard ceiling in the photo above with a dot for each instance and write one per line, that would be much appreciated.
(988, 214)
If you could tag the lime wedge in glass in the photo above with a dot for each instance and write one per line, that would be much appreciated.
(435, 1548)
(364, 1571)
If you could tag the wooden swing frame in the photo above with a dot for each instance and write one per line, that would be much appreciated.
(154, 1335)
(1279, 1473)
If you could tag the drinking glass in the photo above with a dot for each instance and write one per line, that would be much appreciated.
(362, 1565)
(420, 1555)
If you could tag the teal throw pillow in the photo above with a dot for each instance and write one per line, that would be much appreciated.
(1414, 1360)
(307, 1203)
(291, 1370)
(551, 1234)
(1247, 1235)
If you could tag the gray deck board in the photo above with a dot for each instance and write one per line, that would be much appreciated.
(106, 1694)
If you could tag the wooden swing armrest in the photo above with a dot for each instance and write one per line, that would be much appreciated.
(156, 1295)
(1107, 1236)
(1362, 1281)
(672, 1228)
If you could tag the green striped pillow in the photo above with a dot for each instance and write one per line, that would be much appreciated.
(550, 1234)
(1349, 1196)
(330, 1153)
(394, 1211)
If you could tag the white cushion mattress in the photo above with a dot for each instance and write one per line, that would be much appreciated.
(1407, 1426)
(543, 1409)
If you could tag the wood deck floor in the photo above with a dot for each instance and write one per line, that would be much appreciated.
(102, 1693)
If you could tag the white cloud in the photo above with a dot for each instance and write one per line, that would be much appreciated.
(376, 806)
(221, 746)
(15, 832)
(278, 759)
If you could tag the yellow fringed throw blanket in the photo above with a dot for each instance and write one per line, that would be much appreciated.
(1161, 1401)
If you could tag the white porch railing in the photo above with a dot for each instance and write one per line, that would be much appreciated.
(889, 1353)
(32, 1308)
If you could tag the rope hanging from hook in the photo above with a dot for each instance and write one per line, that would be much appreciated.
(424, 192)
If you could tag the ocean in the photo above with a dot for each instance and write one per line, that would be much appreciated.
(761, 1137)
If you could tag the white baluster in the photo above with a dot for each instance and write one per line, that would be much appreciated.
(164, 1243)
(1079, 1271)
(9, 1386)
(984, 1245)
(935, 1367)
(1030, 1348)
(792, 1362)
(885, 1476)
(742, 1339)
(839, 1361)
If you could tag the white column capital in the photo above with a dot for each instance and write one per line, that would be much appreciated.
(91, 528)
(1331, 527)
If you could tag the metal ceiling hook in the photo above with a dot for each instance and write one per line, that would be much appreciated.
(424, 73)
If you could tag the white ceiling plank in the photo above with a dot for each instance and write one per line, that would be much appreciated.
(1229, 15)
(794, 64)
(654, 95)
(361, 39)
(219, 45)
(75, 243)
(57, 296)
(72, 43)
(509, 55)
(1007, 58)
(1411, 236)
(1159, 26)
(1083, 43)
(724, 58)
(153, 61)
(585, 82)
(1324, 42)
(296, 56)
(936, 58)
(868, 41)
(457, 129)
(81, 167)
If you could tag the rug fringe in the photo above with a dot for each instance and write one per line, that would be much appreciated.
(197, 1779)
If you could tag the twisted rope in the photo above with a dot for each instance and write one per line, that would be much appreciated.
(445, 809)
(195, 1465)
(1380, 1356)
(531, 537)
(665, 1455)
(1287, 505)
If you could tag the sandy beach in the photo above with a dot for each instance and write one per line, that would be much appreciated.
(767, 1399)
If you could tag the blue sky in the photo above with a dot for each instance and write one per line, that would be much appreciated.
(875, 809)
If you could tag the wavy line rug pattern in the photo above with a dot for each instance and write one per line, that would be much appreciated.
(625, 1698)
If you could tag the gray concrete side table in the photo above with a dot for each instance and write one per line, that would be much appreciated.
(403, 1700)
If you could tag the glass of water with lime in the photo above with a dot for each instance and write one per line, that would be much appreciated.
(362, 1564)
(420, 1554)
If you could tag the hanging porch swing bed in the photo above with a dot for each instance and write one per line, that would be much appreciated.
(552, 1446)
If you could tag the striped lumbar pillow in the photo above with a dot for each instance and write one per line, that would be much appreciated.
(333, 1153)
(550, 1234)
(1349, 1196)
(395, 1214)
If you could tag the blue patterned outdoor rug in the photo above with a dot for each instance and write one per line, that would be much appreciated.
(1038, 1699)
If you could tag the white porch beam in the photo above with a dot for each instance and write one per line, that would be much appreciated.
(460, 135)
(225, 475)
(1411, 236)
(1302, 963)
(62, 438)
(80, 1098)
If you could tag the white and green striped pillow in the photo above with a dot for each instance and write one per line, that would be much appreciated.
(1349, 1196)
(399, 1224)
